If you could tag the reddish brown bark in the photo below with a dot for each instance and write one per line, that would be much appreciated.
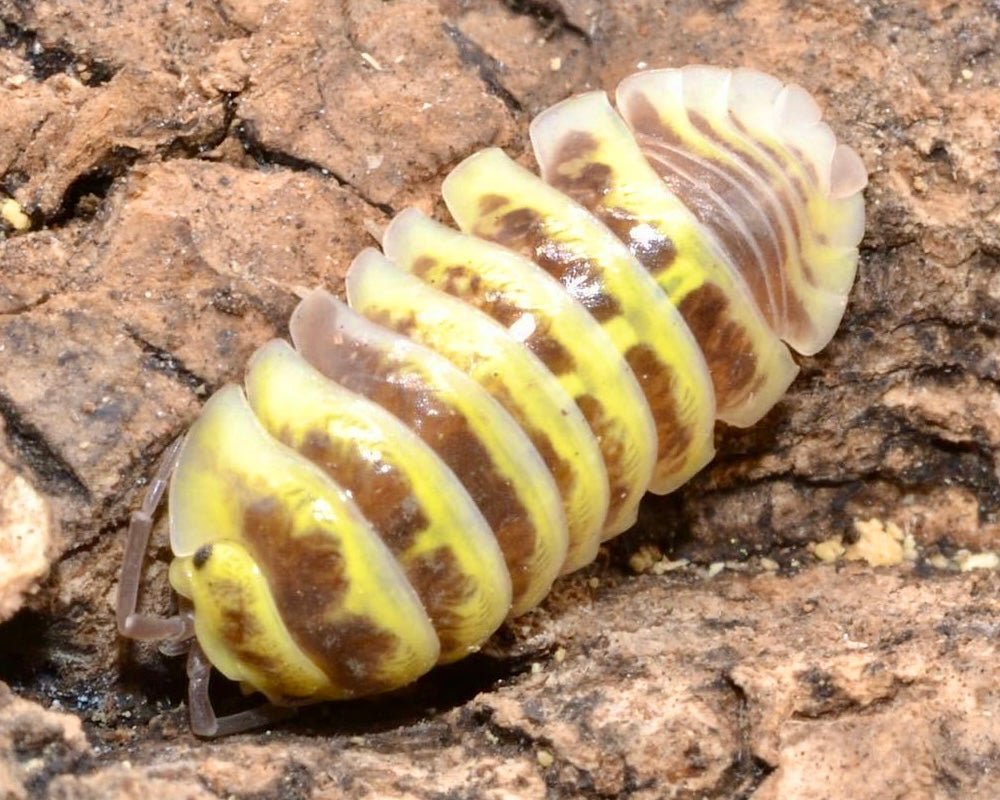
(187, 167)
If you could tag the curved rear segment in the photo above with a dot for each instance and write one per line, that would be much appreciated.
(587, 151)
(752, 160)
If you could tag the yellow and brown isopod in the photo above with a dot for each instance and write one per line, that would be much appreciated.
(492, 402)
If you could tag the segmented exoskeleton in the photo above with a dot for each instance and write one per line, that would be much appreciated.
(493, 403)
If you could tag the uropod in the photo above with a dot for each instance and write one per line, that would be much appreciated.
(493, 400)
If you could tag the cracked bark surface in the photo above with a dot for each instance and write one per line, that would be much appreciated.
(188, 168)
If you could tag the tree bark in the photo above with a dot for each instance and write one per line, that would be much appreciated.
(187, 169)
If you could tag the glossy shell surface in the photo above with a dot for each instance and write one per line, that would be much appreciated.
(494, 400)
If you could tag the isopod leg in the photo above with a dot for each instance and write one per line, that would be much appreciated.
(173, 631)
(203, 720)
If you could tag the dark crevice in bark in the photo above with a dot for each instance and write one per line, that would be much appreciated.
(83, 197)
(934, 461)
(59, 756)
(164, 362)
(550, 15)
(488, 68)
(441, 690)
(513, 735)
(981, 323)
(197, 147)
(941, 461)
(26, 307)
(90, 538)
(49, 60)
(831, 702)
(246, 133)
(86, 193)
(748, 771)
(52, 472)
(247, 136)
(39, 659)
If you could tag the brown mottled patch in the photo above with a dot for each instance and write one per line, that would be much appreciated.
(307, 578)
(360, 649)
(575, 145)
(652, 248)
(656, 253)
(460, 280)
(423, 264)
(550, 350)
(364, 368)
(588, 183)
(488, 203)
(240, 631)
(404, 323)
(657, 382)
(562, 471)
(463, 282)
(380, 489)
(726, 344)
(443, 587)
(520, 226)
(588, 187)
(612, 450)
(524, 231)
(603, 307)
(575, 172)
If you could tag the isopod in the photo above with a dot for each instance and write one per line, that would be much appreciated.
(492, 402)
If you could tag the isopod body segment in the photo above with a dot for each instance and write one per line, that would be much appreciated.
(493, 401)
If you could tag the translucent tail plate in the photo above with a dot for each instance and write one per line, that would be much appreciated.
(585, 149)
(752, 160)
